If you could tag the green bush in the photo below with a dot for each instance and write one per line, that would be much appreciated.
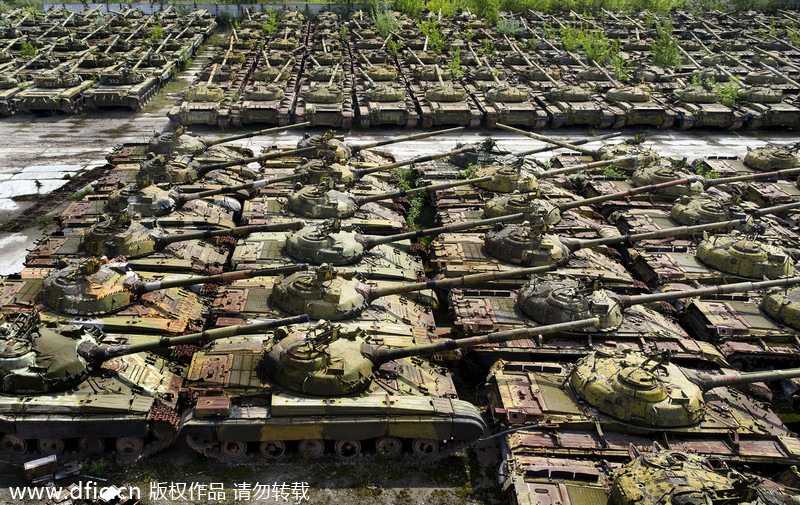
(27, 49)
(455, 63)
(487, 9)
(666, 53)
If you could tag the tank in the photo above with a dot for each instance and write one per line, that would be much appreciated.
(635, 397)
(57, 90)
(91, 389)
(383, 103)
(270, 96)
(323, 364)
(132, 239)
(326, 104)
(121, 86)
(95, 287)
(691, 478)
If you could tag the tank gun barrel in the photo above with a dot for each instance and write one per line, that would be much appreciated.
(586, 166)
(777, 58)
(422, 189)
(204, 169)
(380, 355)
(421, 159)
(573, 143)
(367, 77)
(575, 244)
(235, 232)
(707, 183)
(370, 242)
(536, 136)
(182, 198)
(283, 69)
(97, 354)
(780, 74)
(707, 381)
(723, 289)
(141, 287)
(372, 293)
(407, 138)
(265, 131)
(689, 57)
(623, 194)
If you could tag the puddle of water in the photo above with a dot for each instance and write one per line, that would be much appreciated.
(14, 247)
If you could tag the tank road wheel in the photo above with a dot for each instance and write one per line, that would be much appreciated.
(233, 450)
(272, 449)
(425, 447)
(311, 448)
(130, 446)
(348, 448)
(92, 446)
(50, 446)
(388, 447)
(13, 445)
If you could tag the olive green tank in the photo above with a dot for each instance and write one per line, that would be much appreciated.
(84, 390)
(398, 399)
(690, 478)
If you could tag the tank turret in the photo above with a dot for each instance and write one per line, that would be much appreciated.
(689, 478)
(651, 392)
(743, 256)
(548, 302)
(122, 237)
(48, 358)
(527, 244)
(93, 286)
(180, 142)
(771, 157)
(328, 243)
(326, 294)
(318, 362)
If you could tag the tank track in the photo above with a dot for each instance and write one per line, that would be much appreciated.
(212, 450)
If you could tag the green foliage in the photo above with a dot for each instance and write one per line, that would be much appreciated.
(411, 8)
(794, 36)
(613, 173)
(469, 172)
(99, 21)
(393, 47)
(728, 94)
(467, 34)
(697, 81)
(271, 24)
(666, 53)
(487, 9)
(455, 63)
(97, 468)
(571, 37)
(385, 21)
(155, 33)
(448, 8)
(27, 49)
(488, 49)
(622, 66)
(405, 181)
(549, 31)
(702, 169)
(509, 26)
(430, 28)
(344, 34)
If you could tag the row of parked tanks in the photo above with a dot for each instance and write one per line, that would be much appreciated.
(348, 71)
(66, 61)
(263, 304)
